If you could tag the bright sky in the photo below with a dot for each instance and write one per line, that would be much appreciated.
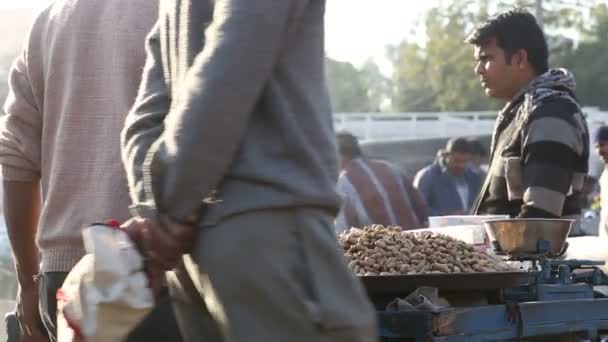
(21, 3)
(356, 29)
(359, 29)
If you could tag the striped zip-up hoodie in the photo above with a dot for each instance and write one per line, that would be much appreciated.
(540, 152)
(376, 192)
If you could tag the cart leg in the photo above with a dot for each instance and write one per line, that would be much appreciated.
(593, 335)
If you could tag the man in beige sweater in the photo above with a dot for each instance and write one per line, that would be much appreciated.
(70, 90)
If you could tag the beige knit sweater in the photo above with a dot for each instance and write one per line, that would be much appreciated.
(70, 91)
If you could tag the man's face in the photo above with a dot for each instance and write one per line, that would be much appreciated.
(456, 163)
(602, 149)
(498, 76)
(476, 159)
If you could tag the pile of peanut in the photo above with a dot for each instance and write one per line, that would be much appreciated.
(379, 250)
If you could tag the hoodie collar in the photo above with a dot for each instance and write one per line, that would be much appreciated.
(558, 81)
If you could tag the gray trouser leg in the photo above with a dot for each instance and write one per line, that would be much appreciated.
(275, 275)
(49, 284)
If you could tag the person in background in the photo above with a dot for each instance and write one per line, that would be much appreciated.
(230, 155)
(70, 90)
(540, 145)
(449, 186)
(601, 147)
(479, 157)
(375, 191)
(591, 189)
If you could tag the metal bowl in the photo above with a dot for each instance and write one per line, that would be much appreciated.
(518, 237)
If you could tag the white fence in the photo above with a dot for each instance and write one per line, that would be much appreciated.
(416, 126)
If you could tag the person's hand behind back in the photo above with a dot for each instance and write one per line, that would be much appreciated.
(162, 244)
(28, 314)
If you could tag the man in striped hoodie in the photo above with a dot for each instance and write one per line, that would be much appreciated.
(375, 191)
(540, 147)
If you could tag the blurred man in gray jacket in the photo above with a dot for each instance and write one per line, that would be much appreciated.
(231, 159)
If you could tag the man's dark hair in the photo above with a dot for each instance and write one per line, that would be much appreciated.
(477, 147)
(601, 135)
(515, 30)
(348, 145)
(458, 145)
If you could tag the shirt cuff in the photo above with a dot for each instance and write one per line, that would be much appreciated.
(15, 174)
(144, 210)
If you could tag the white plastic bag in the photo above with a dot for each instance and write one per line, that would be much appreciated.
(106, 294)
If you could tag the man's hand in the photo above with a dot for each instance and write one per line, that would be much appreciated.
(166, 241)
(28, 314)
(162, 243)
(21, 210)
(135, 228)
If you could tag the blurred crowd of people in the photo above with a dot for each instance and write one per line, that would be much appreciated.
(596, 187)
(378, 192)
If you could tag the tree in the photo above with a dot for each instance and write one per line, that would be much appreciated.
(345, 87)
(439, 75)
(378, 87)
(357, 90)
(588, 60)
(413, 91)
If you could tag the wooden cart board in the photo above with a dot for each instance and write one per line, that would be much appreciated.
(399, 285)
(588, 318)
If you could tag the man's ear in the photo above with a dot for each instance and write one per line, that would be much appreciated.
(520, 59)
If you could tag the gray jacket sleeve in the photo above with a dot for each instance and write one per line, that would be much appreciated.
(209, 119)
(144, 123)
